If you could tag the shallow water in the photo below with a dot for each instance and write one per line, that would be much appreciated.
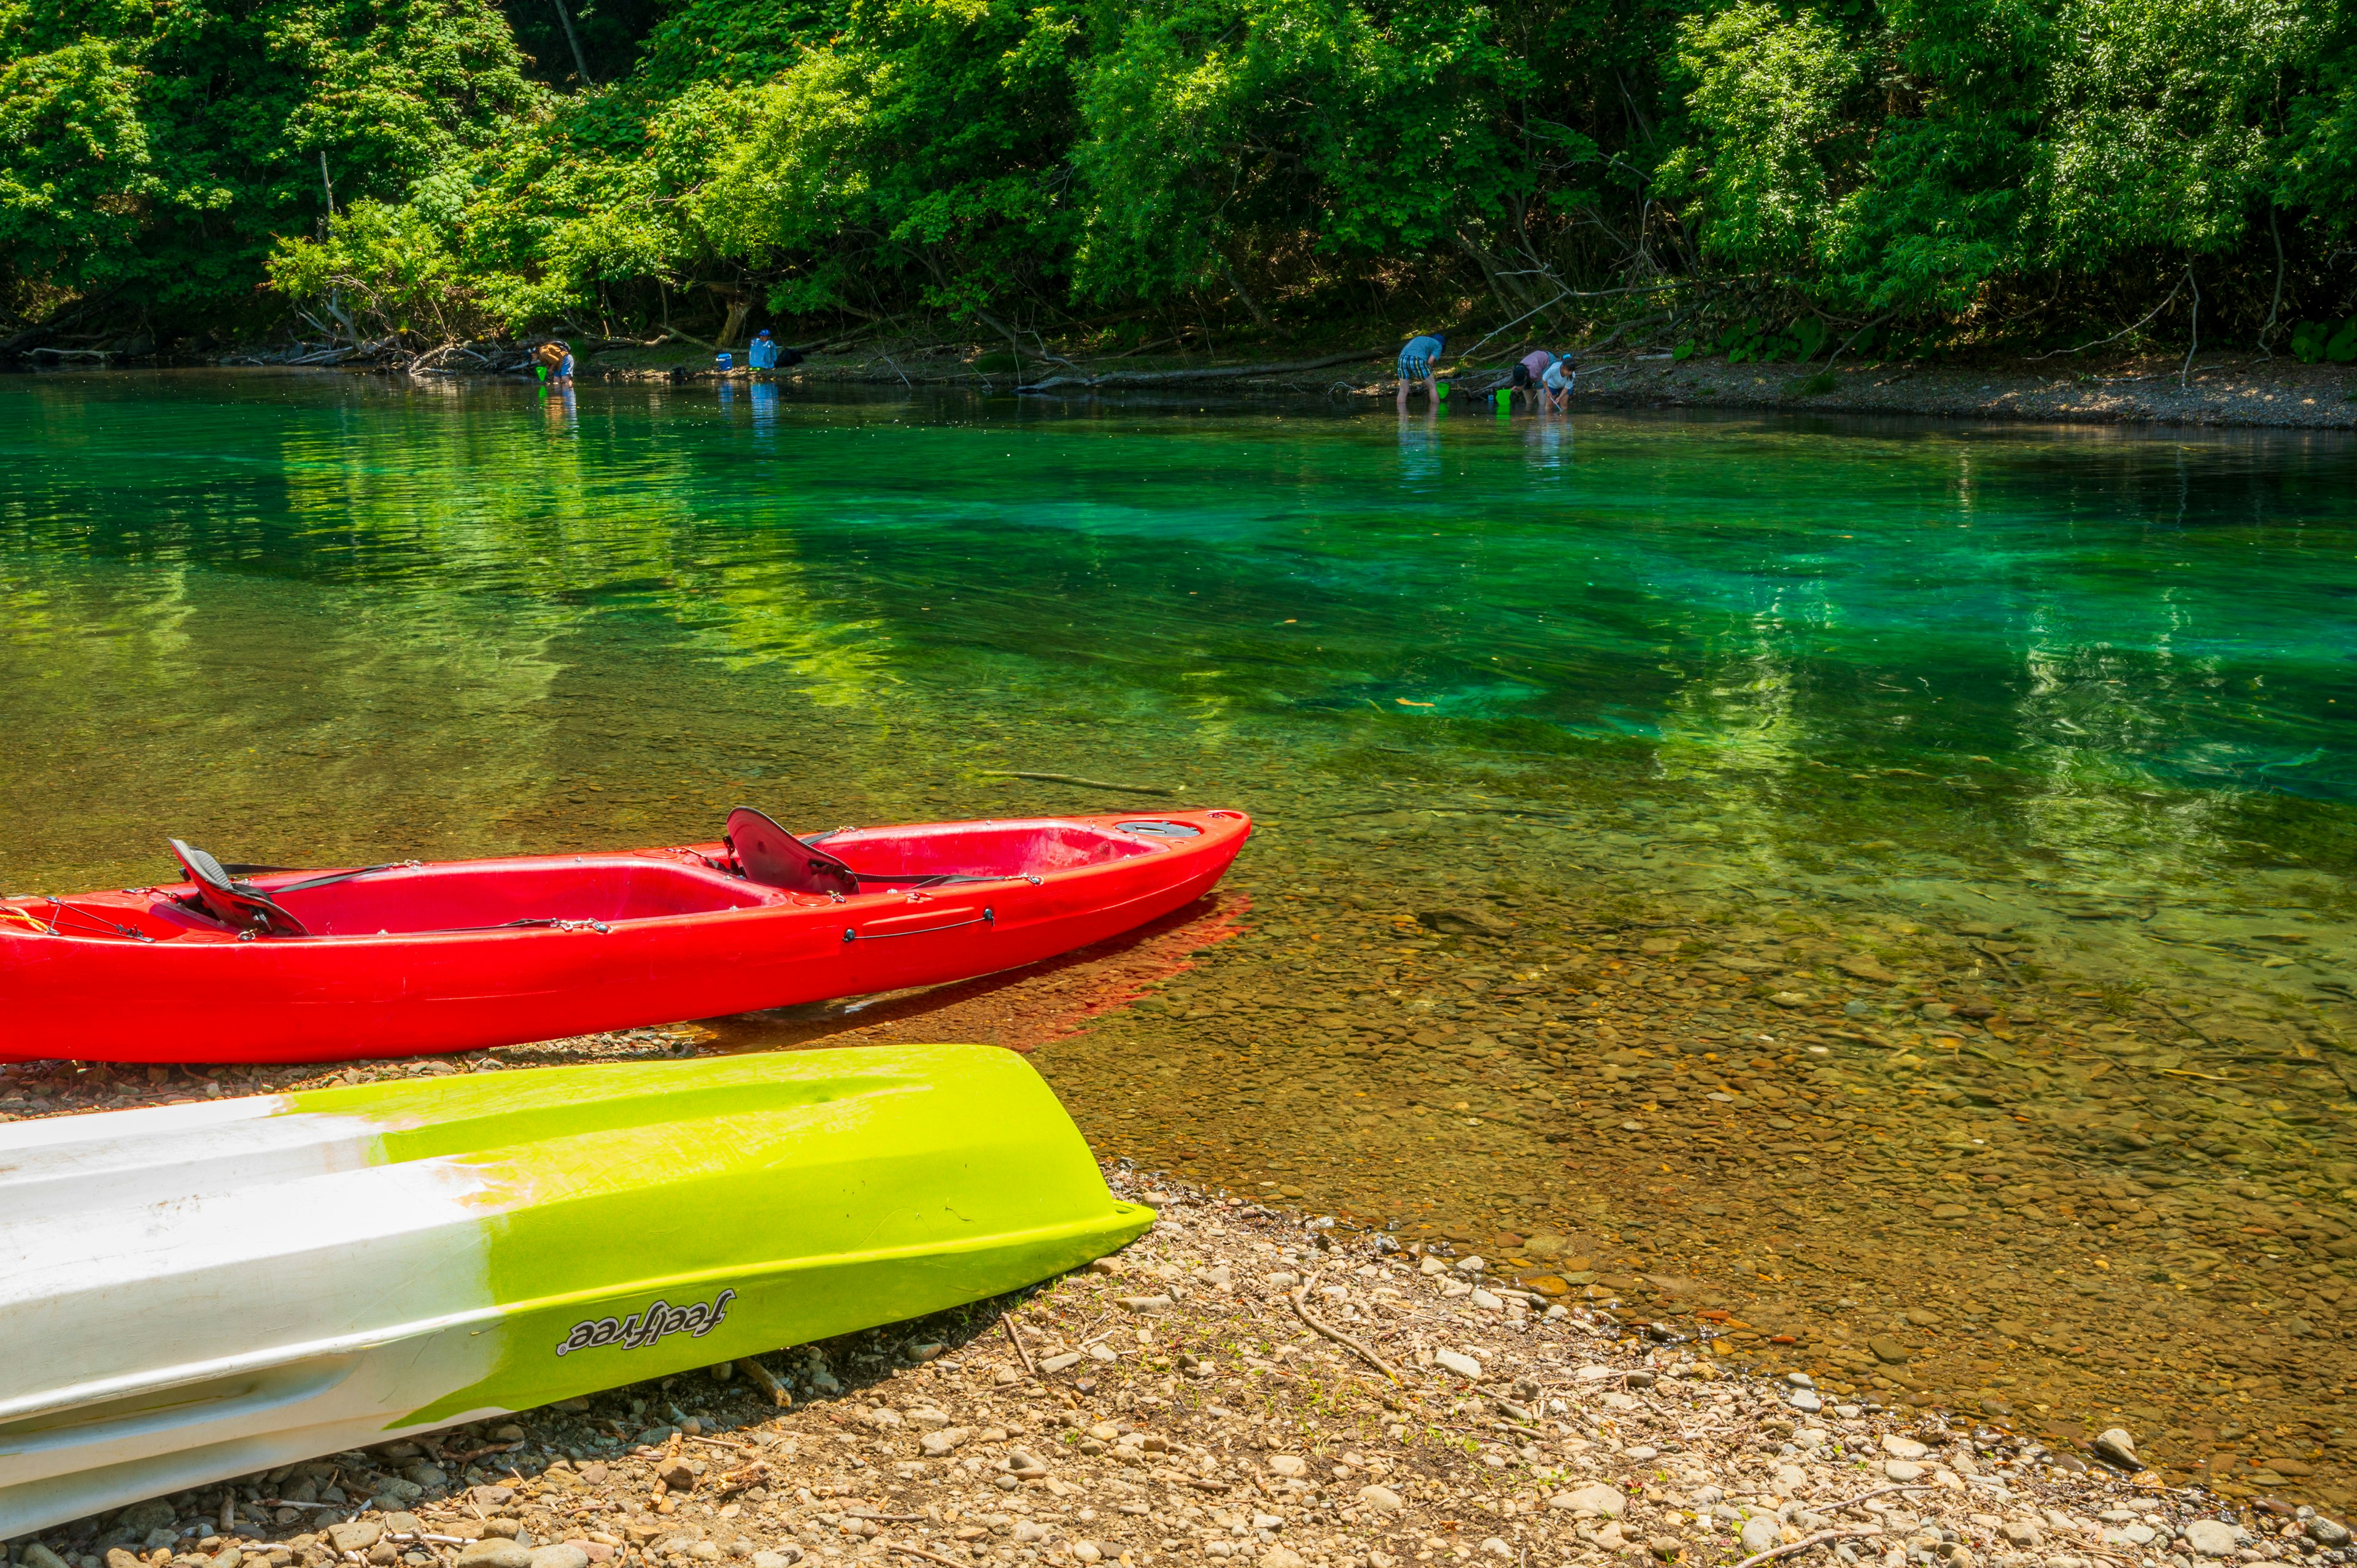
(2040, 722)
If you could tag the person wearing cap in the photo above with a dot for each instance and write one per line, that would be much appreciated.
(1528, 371)
(763, 353)
(1418, 363)
(555, 361)
(1560, 377)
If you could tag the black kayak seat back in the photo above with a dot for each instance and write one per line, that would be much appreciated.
(773, 857)
(234, 904)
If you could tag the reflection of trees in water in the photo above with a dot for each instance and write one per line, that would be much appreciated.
(474, 506)
(466, 609)
(213, 707)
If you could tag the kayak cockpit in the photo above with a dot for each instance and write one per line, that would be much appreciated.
(485, 895)
(982, 851)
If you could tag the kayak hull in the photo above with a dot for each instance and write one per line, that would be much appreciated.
(455, 956)
(222, 1288)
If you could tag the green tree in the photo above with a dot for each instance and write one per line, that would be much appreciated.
(155, 152)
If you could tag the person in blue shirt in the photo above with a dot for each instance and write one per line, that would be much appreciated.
(763, 353)
(1418, 363)
(1560, 377)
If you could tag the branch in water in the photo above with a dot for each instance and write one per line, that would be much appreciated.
(1070, 779)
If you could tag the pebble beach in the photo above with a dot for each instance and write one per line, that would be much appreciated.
(1240, 1384)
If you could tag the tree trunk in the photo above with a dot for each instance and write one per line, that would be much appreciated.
(1244, 293)
(580, 60)
(732, 331)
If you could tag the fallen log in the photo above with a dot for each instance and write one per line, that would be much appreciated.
(1224, 373)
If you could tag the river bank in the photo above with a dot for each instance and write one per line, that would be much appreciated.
(1239, 1384)
(2223, 388)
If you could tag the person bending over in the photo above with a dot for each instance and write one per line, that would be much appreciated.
(1419, 364)
(1559, 379)
(1529, 373)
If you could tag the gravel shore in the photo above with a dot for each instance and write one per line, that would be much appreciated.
(2217, 389)
(1240, 1384)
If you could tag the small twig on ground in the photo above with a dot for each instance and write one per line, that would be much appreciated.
(1803, 1544)
(1335, 1334)
(768, 1380)
(1016, 1340)
(742, 1478)
(1877, 1492)
(474, 1453)
(908, 1551)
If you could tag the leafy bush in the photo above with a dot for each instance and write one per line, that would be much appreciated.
(381, 273)
(2314, 341)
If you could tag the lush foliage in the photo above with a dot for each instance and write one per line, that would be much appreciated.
(2044, 169)
(152, 150)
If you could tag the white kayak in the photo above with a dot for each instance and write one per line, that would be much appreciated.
(198, 1292)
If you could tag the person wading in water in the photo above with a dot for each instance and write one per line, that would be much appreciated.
(1419, 362)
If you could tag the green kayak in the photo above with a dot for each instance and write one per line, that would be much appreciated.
(218, 1288)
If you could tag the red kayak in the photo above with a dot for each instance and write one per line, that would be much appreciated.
(250, 964)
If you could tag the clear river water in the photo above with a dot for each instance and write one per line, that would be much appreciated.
(1883, 885)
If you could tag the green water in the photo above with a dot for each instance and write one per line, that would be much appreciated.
(305, 617)
(2044, 718)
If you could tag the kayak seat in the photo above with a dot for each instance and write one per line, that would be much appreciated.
(237, 905)
(769, 855)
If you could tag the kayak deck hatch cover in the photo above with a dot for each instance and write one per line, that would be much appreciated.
(247, 964)
(211, 1290)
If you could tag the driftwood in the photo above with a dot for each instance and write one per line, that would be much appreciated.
(1224, 373)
